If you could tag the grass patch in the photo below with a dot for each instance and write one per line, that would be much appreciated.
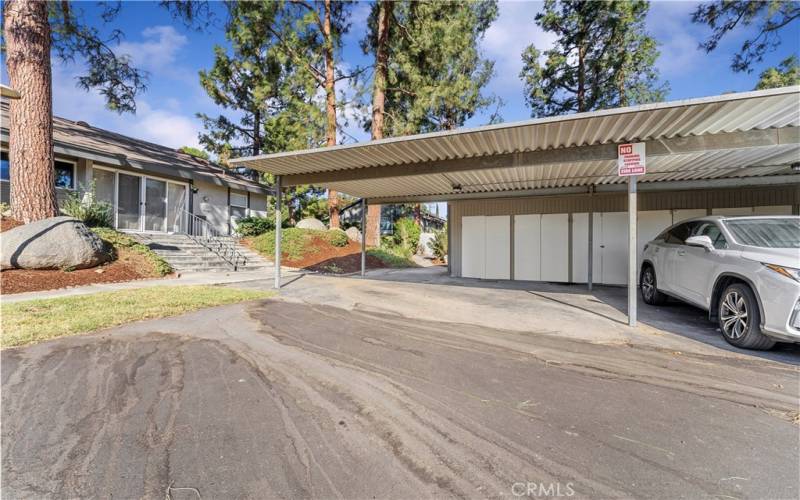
(389, 258)
(296, 243)
(34, 321)
(120, 240)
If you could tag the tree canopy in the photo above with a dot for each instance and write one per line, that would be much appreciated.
(436, 74)
(785, 74)
(770, 17)
(602, 57)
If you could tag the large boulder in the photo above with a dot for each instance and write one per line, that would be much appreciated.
(55, 243)
(353, 234)
(311, 223)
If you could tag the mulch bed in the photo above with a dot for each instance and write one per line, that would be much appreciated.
(7, 223)
(331, 259)
(128, 266)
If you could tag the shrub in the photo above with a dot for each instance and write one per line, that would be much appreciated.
(114, 239)
(438, 244)
(390, 258)
(406, 235)
(295, 242)
(337, 237)
(83, 205)
(253, 226)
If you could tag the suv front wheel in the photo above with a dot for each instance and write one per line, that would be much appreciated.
(739, 318)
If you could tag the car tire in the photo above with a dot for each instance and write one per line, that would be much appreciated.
(649, 289)
(740, 318)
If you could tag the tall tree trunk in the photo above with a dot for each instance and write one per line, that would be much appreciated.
(372, 232)
(330, 98)
(27, 38)
(256, 133)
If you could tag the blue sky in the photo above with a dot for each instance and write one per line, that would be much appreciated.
(173, 55)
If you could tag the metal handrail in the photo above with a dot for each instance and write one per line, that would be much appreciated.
(203, 233)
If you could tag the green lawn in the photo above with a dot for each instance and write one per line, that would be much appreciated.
(33, 321)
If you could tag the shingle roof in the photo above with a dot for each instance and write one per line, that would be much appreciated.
(77, 136)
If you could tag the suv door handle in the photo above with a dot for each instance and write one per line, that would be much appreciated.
(681, 252)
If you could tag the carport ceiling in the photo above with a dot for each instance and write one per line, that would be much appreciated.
(751, 134)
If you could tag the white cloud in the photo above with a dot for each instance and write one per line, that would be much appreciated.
(158, 50)
(508, 37)
(162, 125)
(670, 24)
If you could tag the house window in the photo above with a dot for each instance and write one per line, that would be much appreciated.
(64, 170)
(238, 206)
(65, 174)
(5, 172)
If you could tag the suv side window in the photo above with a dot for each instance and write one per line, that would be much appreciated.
(713, 232)
(678, 234)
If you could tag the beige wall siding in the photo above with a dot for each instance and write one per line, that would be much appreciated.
(762, 196)
(258, 205)
(211, 202)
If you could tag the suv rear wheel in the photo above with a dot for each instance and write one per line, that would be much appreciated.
(650, 293)
(739, 318)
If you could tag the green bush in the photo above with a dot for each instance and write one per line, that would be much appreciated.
(83, 205)
(406, 236)
(438, 244)
(295, 242)
(390, 258)
(337, 237)
(253, 226)
(114, 239)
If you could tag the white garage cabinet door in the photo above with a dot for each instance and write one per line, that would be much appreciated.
(541, 247)
(486, 247)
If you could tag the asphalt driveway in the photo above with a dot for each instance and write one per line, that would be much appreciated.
(277, 399)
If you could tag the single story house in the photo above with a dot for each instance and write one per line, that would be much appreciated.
(152, 188)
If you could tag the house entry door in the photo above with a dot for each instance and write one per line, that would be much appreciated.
(129, 189)
(155, 205)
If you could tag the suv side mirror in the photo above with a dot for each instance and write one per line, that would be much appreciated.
(700, 241)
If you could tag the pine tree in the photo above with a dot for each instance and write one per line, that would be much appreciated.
(724, 16)
(429, 73)
(785, 74)
(31, 31)
(602, 58)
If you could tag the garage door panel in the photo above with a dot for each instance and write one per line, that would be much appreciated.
(682, 214)
(732, 211)
(614, 261)
(580, 248)
(527, 243)
(555, 247)
(650, 224)
(473, 246)
(498, 247)
(775, 210)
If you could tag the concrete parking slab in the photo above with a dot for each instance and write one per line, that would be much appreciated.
(570, 311)
(280, 399)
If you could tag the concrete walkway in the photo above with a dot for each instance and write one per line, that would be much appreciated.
(208, 278)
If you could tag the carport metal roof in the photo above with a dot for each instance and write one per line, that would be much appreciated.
(750, 134)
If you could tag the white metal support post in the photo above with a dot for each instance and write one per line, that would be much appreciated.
(632, 277)
(363, 236)
(278, 219)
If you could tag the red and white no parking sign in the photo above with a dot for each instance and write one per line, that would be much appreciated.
(631, 159)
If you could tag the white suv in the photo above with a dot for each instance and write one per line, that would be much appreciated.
(743, 270)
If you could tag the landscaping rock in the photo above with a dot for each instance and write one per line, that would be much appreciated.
(311, 223)
(55, 243)
(424, 239)
(353, 233)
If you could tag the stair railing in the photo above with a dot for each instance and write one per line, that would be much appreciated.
(203, 233)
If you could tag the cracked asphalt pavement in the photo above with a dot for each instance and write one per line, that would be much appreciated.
(274, 399)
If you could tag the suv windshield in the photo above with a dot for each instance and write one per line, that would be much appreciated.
(766, 233)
